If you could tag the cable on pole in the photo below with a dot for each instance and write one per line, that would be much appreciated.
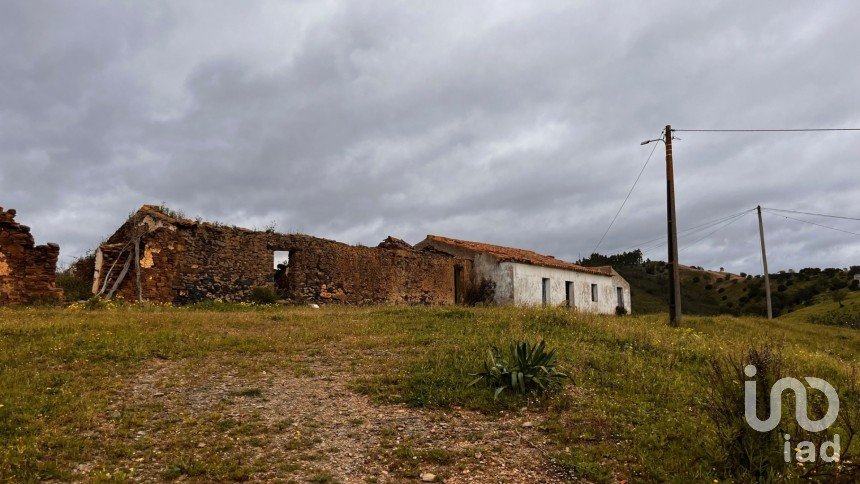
(795, 130)
(811, 213)
(813, 223)
(683, 233)
(717, 230)
(627, 197)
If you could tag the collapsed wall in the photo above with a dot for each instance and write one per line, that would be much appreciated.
(161, 258)
(27, 271)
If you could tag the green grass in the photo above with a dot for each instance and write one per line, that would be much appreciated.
(634, 410)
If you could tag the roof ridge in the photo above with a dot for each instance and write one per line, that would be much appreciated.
(513, 254)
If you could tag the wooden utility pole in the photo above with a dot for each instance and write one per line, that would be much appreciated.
(672, 227)
(764, 264)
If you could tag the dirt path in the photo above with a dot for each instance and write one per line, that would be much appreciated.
(213, 419)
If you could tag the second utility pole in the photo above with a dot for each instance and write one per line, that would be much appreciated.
(764, 263)
(672, 226)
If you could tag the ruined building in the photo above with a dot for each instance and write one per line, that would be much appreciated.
(157, 256)
(27, 271)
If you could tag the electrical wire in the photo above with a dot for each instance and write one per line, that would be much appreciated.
(813, 223)
(683, 233)
(726, 221)
(627, 197)
(715, 231)
(810, 213)
(764, 130)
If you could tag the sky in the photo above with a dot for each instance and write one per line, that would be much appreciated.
(514, 123)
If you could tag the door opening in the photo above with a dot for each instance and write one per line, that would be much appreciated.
(568, 293)
(458, 284)
(282, 271)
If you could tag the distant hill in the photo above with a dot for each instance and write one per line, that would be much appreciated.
(707, 292)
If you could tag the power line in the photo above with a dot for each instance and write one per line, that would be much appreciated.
(813, 223)
(684, 233)
(717, 230)
(730, 219)
(765, 130)
(813, 214)
(627, 197)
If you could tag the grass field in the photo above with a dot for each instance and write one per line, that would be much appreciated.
(374, 394)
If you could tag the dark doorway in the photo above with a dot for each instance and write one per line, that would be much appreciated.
(568, 293)
(458, 285)
(282, 271)
(545, 291)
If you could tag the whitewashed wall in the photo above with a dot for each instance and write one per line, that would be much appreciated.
(527, 285)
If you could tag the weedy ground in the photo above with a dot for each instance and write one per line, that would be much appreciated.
(221, 392)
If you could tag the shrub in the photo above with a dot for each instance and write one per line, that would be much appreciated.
(620, 310)
(74, 288)
(263, 295)
(744, 450)
(523, 369)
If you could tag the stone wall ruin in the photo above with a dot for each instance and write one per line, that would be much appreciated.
(27, 271)
(183, 261)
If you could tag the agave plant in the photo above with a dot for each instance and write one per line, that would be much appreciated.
(524, 369)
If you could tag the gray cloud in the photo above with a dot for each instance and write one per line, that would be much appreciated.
(504, 122)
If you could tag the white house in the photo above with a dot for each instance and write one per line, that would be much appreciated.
(526, 278)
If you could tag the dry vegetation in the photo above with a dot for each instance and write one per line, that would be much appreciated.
(221, 392)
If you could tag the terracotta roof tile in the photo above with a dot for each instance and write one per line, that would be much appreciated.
(510, 254)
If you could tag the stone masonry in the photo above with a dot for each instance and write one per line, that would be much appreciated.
(27, 271)
(184, 261)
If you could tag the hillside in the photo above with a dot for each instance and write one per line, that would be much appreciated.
(235, 392)
(827, 311)
(707, 292)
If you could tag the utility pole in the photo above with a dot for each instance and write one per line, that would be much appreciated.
(672, 227)
(764, 263)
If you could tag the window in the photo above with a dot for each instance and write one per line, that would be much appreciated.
(594, 293)
(568, 293)
(620, 293)
(545, 290)
(282, 257)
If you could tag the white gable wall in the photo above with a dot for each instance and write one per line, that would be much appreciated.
(528, 288)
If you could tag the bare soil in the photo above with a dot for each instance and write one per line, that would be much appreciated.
(263, 420)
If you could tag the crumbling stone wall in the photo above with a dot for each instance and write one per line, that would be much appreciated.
(183, 261)
(27, 271)
(393, 273)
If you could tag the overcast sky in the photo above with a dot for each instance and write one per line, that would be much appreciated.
(516, 123)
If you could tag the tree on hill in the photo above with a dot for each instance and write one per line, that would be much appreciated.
(632, 258)
(839, 296)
